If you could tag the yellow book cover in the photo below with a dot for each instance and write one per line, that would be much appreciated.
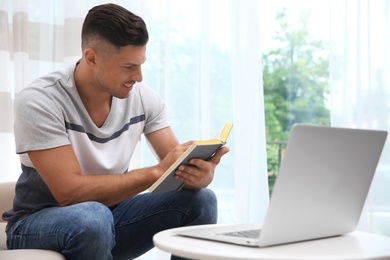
(199, 149)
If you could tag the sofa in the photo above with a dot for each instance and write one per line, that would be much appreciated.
(7, 192)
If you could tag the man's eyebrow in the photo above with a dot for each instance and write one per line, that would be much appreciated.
(134, 64)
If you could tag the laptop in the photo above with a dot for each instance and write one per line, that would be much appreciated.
(323, 181)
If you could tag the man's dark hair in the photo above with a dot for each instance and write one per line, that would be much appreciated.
(114, 24)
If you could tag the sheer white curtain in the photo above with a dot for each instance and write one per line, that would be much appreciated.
(360, 87)
(203, 58)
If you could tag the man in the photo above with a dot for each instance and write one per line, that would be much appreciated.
(76, 131)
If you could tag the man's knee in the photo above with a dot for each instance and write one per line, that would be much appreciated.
(91, 232)
(206, 204)
(93, 220)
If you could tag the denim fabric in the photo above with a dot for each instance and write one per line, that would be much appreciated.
(91, 230)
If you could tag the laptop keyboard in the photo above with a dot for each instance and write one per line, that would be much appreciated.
(245, 233)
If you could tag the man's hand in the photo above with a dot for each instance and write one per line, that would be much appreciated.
(200, 173)
(171, 157)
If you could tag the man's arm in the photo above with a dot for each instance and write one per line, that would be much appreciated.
(61, 171)
(162, 141)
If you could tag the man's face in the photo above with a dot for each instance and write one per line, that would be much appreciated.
(120, 70)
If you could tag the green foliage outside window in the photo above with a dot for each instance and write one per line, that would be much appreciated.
(296, 88)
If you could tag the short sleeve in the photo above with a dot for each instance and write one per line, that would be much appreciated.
(154, 107)
(39, 123)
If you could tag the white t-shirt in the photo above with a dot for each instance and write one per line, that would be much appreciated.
(49, 113)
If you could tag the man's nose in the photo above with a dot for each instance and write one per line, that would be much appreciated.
(137, 76)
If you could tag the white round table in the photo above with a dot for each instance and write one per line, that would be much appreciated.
(355, 246)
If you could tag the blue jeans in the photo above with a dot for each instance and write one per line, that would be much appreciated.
(91, 230)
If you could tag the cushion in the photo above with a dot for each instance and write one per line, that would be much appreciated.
(30, 254)
(3, 238)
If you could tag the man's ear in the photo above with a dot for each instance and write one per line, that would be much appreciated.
(90, 57)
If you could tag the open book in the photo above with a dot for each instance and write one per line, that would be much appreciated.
(199, 149)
